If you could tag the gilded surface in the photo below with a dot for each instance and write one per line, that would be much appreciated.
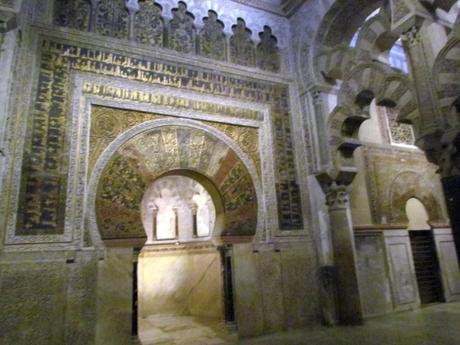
(148, 155)
(45, 167)
(107, 123)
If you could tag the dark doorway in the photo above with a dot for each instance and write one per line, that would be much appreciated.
(426, 266)
(134, 322)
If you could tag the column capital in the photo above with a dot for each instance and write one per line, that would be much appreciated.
(336, 196)
(316, 95)
(8, 21)
(411, 36)
(132, 5)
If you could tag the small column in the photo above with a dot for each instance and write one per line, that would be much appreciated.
(176, 223)
(93, 16)
(348, 298)
(194, 209)
(154, 209)
(133, 8)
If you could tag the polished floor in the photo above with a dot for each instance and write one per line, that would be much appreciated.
(433, 325)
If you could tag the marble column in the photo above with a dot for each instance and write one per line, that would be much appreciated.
(317, 97)
(348, 298)
(133, 8)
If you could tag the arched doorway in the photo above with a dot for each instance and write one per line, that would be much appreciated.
(122, 178)
(427, 269)
(179, 270)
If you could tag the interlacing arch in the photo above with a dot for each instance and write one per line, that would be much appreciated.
(360, 87)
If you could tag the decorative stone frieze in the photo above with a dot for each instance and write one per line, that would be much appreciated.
(144, 22)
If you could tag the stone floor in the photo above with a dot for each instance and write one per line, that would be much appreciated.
(433, 325)
(161, 329)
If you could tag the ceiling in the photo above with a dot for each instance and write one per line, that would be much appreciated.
(281, 7)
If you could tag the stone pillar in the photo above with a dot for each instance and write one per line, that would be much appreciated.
(348, 298)
(133, 8)
(429, 125)
(449, 163)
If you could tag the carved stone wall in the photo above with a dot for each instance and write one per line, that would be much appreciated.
(149, 155)
(394, 176)
(111, 18)
(45, 167)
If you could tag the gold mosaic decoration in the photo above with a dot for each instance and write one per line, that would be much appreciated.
(108, 123)
(145, 157)
(45, 167)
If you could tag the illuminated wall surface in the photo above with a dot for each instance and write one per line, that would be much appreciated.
(277, 145)
(176, 202)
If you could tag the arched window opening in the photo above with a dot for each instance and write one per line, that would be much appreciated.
(417, 215)
(177, 208)
(371, 130)
(397, 57)
(354, 39)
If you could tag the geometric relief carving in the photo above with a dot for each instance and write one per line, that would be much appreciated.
(267, 51)
(241, 45)
(212, 38)
(400, 133)
(150, 24)
(182, 31)
(148, 155)
(73, 14)
(42, 197)
(112, 18)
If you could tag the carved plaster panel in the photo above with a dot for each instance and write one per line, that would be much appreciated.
(394, 176)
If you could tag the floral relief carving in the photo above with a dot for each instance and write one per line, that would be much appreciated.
(182, 30)
(268, 57)
(241, 44)
(150, 24)
(112, 18)
(73, 14)
(212, 38)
